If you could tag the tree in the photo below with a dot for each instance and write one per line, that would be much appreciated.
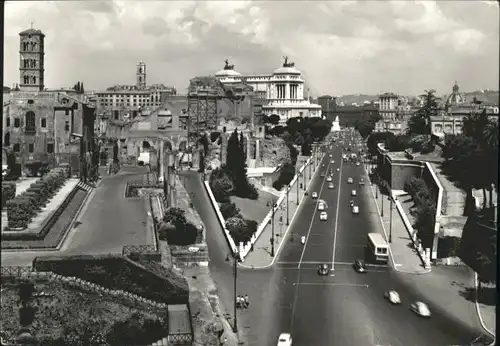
(228, 210)
(82, 90)
(417, 125)
(115, 151)
(176, 217)
(287, 172)
(306, 149)
(237, 168)
(274, 119)
(242, 142)
(201, 169)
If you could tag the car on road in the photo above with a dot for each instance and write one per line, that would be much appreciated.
(331, 186)
(420, 308)
(323, 269)
(353, 193)
(359, 266)
(323, 216)
(321, 206)
(355, 209)
(285, 339)
(332, 162)
(331, 155)
(393, 297)
(361, 181)
(329, 178)
(314, 195)
(349, 181)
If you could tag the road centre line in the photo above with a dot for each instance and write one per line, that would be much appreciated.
(329, 284)
(337, 214)
(314, 213)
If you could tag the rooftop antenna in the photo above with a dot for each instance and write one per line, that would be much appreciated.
(32, 22)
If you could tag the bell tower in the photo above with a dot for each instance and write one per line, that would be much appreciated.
(31, 56)
(141, 75)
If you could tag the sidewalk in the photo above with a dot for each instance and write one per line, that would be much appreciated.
(261, 257)
(405, 258)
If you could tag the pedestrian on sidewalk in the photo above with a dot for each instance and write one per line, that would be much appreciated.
(247, 301)
(239, 301)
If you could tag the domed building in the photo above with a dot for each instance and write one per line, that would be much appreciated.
(283, 91)
(455, 98)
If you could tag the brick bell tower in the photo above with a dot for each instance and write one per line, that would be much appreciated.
(31, 64)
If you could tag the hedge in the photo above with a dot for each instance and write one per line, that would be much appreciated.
(8, 192)
(22, 208)
(119, 273)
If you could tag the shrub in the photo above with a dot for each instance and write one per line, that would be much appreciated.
(185, 236)
(241, 230)
(137, 330)
(228, 210)
(119, 273)
(19, 212)
(164, 229)
(8, 192)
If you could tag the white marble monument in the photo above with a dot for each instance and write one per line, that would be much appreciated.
(336, 125)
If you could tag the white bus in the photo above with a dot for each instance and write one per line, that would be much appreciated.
(377, 247)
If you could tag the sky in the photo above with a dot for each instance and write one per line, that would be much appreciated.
(353, 47)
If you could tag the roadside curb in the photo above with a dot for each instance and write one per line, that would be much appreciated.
(478, 309)
(85, 203)
(286, 232)
(427, 271)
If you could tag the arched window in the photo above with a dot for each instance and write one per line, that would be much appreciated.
(26, 79)
(30, 122)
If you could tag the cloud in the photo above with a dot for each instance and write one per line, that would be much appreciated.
(341, 47)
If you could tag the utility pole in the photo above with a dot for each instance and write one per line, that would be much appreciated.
(310, 169)
(382, 211)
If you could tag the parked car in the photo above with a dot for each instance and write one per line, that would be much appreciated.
(349, 181)
(361, 181)
(353, 193)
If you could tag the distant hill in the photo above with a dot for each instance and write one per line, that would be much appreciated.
(358, 98)
(488, 96)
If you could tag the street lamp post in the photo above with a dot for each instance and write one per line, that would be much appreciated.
(390, 223)
(236, 256)
(287, 192)
(382, 211)
(310, 170)
(297, 182)
(272, 228)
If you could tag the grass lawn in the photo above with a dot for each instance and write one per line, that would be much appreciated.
(255, 209)
(64, 310)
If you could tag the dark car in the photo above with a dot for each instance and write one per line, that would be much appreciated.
(323, 269)
(359, 266)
